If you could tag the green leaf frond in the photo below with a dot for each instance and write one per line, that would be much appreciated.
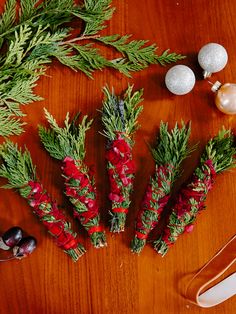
(16, 47)
(120, 114)
(34, 32)
(137, 52)
(27, 9)
(9, 125)
(101, 11)
(20, 71)
(51, 13)
(90, 58)
(221, 149)
(172, 146)
(16, 165)
(67, 141)
(124, 66)
(8, 17)
(166, 57)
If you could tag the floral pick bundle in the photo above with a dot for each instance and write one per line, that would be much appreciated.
(18, 169)
(119, 117)
(68, 145)
(219, 155)
(170, 150)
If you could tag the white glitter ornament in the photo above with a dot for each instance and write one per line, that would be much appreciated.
(180, 80)
(212, 58)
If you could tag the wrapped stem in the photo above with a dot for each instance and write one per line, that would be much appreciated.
(156, 197)
(18, 169)
(170, 150)
(119, 117)
(68, 145)
(82, 194)
(218, 156)
(120, 168)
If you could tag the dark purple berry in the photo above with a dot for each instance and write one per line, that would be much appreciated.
(25, 247)
(11, 237)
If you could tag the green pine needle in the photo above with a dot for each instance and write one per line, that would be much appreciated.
(9, 124)
(221, 150)
(27, 9)
(172, 147)
(37, 31)
(8, 17)
(17, 166)
(125, 67)
(65, 141)
(90, 59)
(137, 52)
(101, 12)
(167, 57)
(120, 114)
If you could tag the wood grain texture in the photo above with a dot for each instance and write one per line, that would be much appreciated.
(112, 280)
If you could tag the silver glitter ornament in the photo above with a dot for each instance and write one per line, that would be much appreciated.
(212, 58)
(180, 80)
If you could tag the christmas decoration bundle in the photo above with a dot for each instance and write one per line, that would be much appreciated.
(18, 169)
(170, 150)
(119, 117)
(33, 33)
(68, 145)
(218, 155)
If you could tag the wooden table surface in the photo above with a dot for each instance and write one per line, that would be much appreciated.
(113, 280)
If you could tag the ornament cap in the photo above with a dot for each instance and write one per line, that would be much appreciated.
(215, 87)
(206, 74)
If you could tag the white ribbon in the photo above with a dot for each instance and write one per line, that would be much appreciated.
(218, 293)
(215, 268)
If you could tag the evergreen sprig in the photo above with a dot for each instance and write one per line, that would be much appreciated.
(137, 52)
(33, 34)
(8, 17)
(120, 114)
(67, 141)
(221, 150)
(100, 11)
(9, 124)
(172, 146)
(89, 59)
(17, 166)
